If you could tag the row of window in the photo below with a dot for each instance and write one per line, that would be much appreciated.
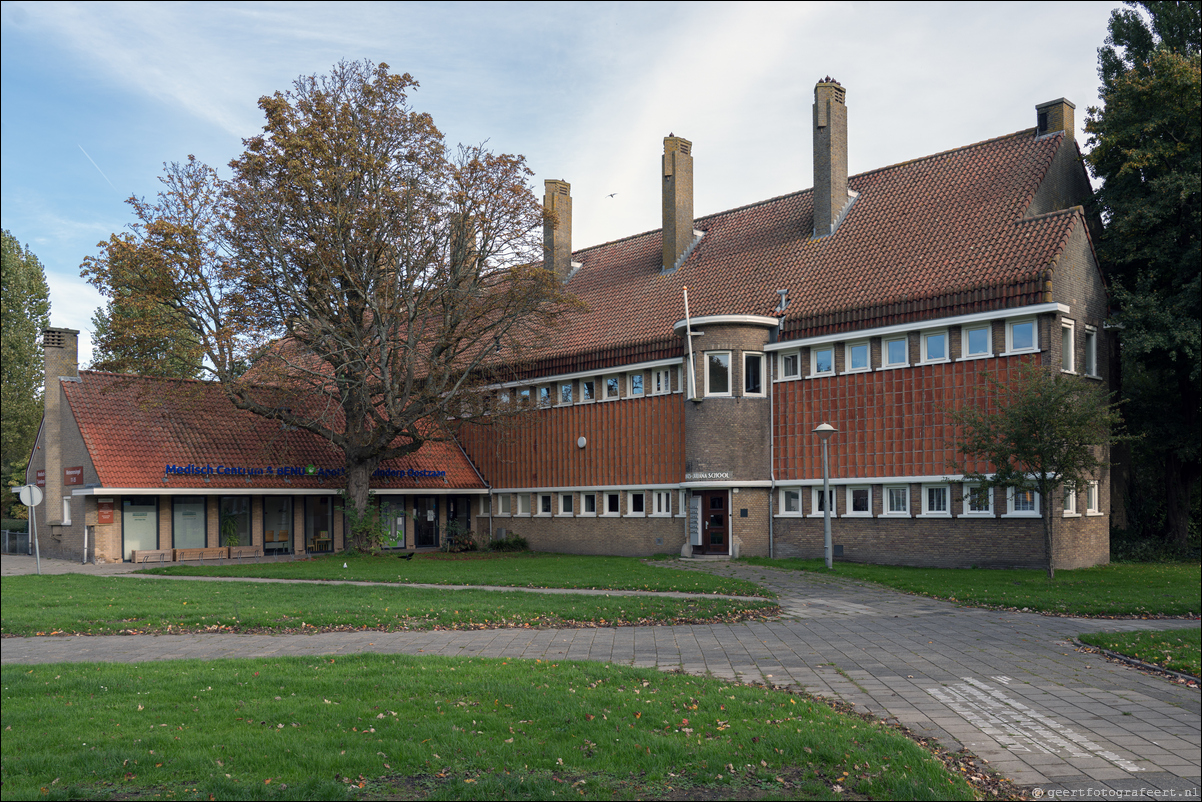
(638, 384)
(1068, 349)
(936, 501)
(639, 504)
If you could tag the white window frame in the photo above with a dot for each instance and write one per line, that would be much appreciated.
(785, 492)
(570, 386)
(584, 511)
(504, 505)
(545, 395)
(661, 381)
(525, 397)
(631, 381)
(1093, 498)
(885, 363)
(1068, 501)
(616, 380)
(605, 497)
(1090, 353)
(966, 332)
(763, 374)
(947, 351)
(571, 502)
(661, 504)
(591, 397)
(730, 373)
(814, 360)
(848, 509)
(927, 512)
(1012, 513)
(886, 512)
(631, 495)
(966, 501)
(1010, 324)
(785, 357)
(815, 494)
(523, 505)
(682, 504)
(1068, 327)
(847, 366)
(546, 505)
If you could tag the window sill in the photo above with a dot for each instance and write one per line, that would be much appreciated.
(1032, 515)
(857, 515)
(587, 515)
(974, 356)
(828, 375)
(894, 367)
(1094, 514)
(635, 515)
(1068, 372)
(1072, 515)
(933, 515)
(943, 361)
(1023, 352)
(1093, 376)
(660, 515)
(857, 370)
(821, 515)
(982, 514)
(543, 515)
(788, 515)
(896, 515)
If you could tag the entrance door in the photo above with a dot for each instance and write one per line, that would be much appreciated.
(392, 518)
(715, 532)
(425, 528)
(459, 515)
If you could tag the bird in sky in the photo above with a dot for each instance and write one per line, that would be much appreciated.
(610, 195)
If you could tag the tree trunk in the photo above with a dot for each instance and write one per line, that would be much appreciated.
(358, 478)
(1046, 508)
(1179, 481)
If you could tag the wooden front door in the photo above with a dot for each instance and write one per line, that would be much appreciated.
(715, 531)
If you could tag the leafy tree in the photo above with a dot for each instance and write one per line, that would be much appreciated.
(1040, 430)
(369, 275)
(24, 312)
(1146, 146)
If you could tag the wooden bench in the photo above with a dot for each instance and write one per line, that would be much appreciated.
(152, 556)
(184, 555)
(238, 552)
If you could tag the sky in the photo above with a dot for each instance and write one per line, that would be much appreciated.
(96, 97)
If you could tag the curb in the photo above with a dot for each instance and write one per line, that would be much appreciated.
(1122, 658)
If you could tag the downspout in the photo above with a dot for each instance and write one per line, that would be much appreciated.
(689, 340)
(771, 459)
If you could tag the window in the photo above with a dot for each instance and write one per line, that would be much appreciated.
(1093, 502)
(1070, 500)
(753, 374)
(859, 501)
(936, 501)
(188, 524)
(662, 500)
(822, 361)
(978, 500)
(1068, 344)
(717, 374)
(893, 353)
(791, 501)
(565, 392)
(1020, 336)
(636, 503)
(523, 503)
(566, 504)
(485, 505)
(975, 342)
(277, 524)
(789, 364)
(524, 397)
(588, 390)
(503, 399)
(897, 500)
(504, 504)
(1022, 502)
(588, 503)
(544, 503)
(856, 357)
(544, 396)
(816, 505)
(613, 503)
(1091, 351)
(934, 346)
(636, 384)
(612, 385)
(661, 381)
(234, 520)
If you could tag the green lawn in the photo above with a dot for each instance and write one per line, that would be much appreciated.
(1119, 589)
(376, 725)
(1178, 649)
(72, 603)
(525, 570)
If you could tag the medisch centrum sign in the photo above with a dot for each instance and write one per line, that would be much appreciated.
(300, 471)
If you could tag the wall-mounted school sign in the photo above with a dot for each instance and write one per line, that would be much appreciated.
(298, 471)
(104, 511)
(73, 476)
(40, 478)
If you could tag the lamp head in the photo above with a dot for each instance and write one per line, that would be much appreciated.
(824, 431)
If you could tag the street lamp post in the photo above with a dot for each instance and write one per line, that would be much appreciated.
(824, 432)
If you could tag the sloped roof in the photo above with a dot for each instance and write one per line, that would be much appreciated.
(134, 426)
(940, 235)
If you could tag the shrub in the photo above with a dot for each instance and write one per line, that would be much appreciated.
(511, 542)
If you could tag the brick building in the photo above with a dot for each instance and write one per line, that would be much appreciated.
(872, 302)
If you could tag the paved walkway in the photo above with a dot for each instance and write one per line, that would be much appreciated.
(1008, 686)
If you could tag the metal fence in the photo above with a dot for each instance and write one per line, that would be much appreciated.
(16, 542)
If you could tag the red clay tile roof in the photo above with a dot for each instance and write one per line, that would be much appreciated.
(932, 237)
(134, 426)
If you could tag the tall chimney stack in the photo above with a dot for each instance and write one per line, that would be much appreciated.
(1055, 116)
(60, 352)
(830, 155)
(557, 226)
(678, 199)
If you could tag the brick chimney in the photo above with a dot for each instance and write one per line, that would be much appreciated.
(830, 156)
(61, 360)
(1055, 116)
(557, 226)
(678, 199)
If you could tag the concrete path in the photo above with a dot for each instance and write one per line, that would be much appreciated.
(1008, 686)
